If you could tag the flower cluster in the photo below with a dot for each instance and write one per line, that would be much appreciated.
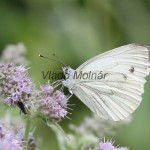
(87, 134)
(15, 54)
(100, 127)
(52, 104)
(9, 141)
(108, 145)
(11, 137)
(16, 86)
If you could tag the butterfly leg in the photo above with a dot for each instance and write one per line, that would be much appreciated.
(56, 83)
(62, 88)
(69, 96)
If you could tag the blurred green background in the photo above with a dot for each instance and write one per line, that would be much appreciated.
(76, 30)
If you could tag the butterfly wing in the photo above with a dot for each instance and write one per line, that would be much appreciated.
(120, 92)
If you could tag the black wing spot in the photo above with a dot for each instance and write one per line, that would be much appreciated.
(125, 76)
(132, 69)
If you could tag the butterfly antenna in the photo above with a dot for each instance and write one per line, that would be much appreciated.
(62, 63)
(59, 60)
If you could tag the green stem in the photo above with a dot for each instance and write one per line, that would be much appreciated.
(27, 130)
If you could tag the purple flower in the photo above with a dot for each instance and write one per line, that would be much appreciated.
(98, 127)
(14, 53)
(105, 146)
(12, 134)
(16, 86)
(108, 145)
(47, 89)
(9, 140)
(52, 106)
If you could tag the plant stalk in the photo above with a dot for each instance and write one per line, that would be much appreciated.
(27, 130)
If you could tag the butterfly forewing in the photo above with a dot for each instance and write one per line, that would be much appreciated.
(120, 92)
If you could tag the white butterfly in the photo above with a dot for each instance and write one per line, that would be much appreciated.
(118, 94)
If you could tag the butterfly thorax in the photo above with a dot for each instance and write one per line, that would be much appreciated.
(69, 77)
